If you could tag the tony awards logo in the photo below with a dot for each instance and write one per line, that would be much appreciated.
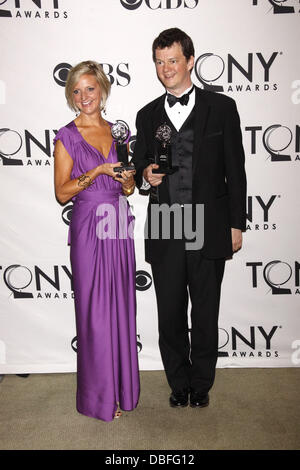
(10, 144)
(278, 7)
(120, 132)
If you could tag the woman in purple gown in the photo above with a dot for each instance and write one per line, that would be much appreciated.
(102, 249)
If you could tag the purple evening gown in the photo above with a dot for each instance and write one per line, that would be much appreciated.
(104, 286)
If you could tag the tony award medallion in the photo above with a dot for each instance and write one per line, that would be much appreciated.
(163, 157)
(120, 132)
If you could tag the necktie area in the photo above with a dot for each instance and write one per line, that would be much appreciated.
(183, 100)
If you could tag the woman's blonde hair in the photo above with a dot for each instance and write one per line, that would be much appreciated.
(88, 67)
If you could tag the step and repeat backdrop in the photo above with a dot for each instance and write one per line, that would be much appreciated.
(246, 49)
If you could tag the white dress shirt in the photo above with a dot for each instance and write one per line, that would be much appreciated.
(179, 113)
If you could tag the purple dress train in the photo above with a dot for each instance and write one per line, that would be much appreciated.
(103, 268)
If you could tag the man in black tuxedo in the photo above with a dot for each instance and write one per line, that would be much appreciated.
(207, 148)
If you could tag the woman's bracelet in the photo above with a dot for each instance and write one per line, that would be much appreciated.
(85, 181)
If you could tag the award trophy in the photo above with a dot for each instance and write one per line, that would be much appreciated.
(120, 132)
(163, 157)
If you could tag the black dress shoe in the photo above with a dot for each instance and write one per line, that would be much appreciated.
(179, 399)
(199, 399)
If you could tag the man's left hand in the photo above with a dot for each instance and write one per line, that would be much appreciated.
(237, 239)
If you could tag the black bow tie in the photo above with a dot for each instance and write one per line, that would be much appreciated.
(183, 100)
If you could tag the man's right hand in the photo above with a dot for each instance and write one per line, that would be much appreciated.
(153, 178)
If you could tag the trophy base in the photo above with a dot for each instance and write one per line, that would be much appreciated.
(166, 171)
(119, 169)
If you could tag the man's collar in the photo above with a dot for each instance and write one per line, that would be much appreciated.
(183, 93)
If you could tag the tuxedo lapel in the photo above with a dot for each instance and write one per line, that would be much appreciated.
(202, 109)
(158, 113)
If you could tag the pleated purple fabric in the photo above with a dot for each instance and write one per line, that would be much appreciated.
(103, 268)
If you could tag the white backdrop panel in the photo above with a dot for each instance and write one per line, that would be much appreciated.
(249, 49)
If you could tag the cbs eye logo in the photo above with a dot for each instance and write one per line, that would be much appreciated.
(60, 73)
(138, 343)
(143, 280)
(74, 344)
(66, 214)
(131, 4)
(163, 4)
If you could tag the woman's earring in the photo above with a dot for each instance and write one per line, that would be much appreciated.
(102, 108)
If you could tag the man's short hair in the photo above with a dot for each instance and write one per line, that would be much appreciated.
(167, 37)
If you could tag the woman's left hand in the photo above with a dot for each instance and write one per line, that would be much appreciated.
(125, 178)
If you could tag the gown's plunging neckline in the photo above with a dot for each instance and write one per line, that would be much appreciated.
(97, 150)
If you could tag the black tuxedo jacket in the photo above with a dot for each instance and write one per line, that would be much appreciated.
(219, 180)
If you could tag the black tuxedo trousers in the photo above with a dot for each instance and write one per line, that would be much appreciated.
(189, 352)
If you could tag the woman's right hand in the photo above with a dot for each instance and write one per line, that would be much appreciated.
(108, 169)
